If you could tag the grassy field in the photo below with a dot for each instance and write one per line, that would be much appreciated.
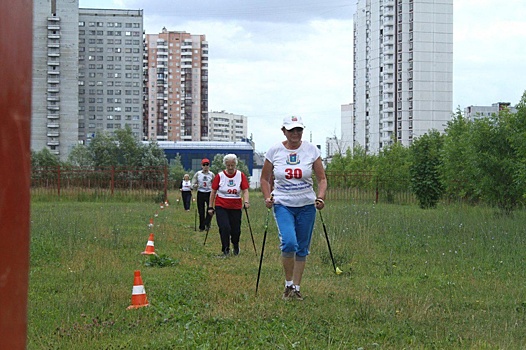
(450, 278)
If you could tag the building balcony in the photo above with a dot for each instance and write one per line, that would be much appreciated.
(53, 98)
(53, 26)
(53, 134)
(53, 45)
(53, 63)
(53, 54)
(53, 80)
(53, 19)
(53, 72)
(53, 108)
(53, 36)
(53, 143)
(53, 125)
(53, 116)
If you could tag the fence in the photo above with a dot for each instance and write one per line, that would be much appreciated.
(111, 182)
(365, 187)
(100, 182)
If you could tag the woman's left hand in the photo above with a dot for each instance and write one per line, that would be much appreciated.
(319, 203)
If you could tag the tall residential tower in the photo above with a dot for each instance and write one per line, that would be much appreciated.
(54, 122)
(110, 77)
(403, 70)
(176, 78)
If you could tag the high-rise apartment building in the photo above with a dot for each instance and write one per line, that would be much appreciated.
(227, 127)
(347, 127)
(110, 74)
(176, 78)
(403, 70)
(54, 121)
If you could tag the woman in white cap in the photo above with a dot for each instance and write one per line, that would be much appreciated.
(228, 197)
(287, 186)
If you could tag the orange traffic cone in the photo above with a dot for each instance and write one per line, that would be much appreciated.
(162, 205)
(150, 249)
(138, 298)
(150, 225)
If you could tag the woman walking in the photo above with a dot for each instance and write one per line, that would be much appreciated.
(228, 197)
(186, 191)
(201, 181)
(287, 186)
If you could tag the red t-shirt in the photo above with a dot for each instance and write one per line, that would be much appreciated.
(229, 189)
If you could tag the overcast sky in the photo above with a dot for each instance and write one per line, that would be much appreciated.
(273, 58)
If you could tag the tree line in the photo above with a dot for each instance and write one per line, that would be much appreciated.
(474, 161)
(122, 149)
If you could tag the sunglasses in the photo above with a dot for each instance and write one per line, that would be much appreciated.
(206, 164)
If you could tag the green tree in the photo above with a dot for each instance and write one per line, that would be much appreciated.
(392, 169)
(458, 165)
(497, 161)
(177, 171)
(103, 149)
(44, 158)
(129, 151)
(424, 169)
(151, 155)
(80, 156)
(516, 129)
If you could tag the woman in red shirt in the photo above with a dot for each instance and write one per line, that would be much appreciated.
(228, 197)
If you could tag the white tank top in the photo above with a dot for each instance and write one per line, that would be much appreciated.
(229, 187)
(293, 174)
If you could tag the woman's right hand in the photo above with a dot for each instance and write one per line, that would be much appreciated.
(269, 202)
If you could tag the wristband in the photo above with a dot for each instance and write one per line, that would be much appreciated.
(212, 209)
(320, 200)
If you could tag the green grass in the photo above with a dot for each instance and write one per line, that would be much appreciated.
(450, 278)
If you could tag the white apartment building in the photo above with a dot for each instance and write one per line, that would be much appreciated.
(476, 112)
(227, 127)
(176, 78)
(347, 128)
(110, 74)
(54, 119)
(403, 70)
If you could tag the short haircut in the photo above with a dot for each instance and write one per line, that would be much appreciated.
(228, 157)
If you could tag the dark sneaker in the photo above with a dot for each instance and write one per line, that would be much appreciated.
(296, 295)
(236, 250)
(288, 293)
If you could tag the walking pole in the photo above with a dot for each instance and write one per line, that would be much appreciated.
(336, 270)
(262, 249)
(206, 235)
(251, 235)
(195, 219)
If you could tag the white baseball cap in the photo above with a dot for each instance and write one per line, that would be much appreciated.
(293, 122)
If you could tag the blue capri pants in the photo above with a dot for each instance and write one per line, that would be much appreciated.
(295, 226)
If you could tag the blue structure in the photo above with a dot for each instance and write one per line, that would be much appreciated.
(192, 152)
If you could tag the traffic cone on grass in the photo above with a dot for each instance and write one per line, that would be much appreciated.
(138, 298)
(150, 249)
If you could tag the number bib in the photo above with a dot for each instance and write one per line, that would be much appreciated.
(293, 174)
